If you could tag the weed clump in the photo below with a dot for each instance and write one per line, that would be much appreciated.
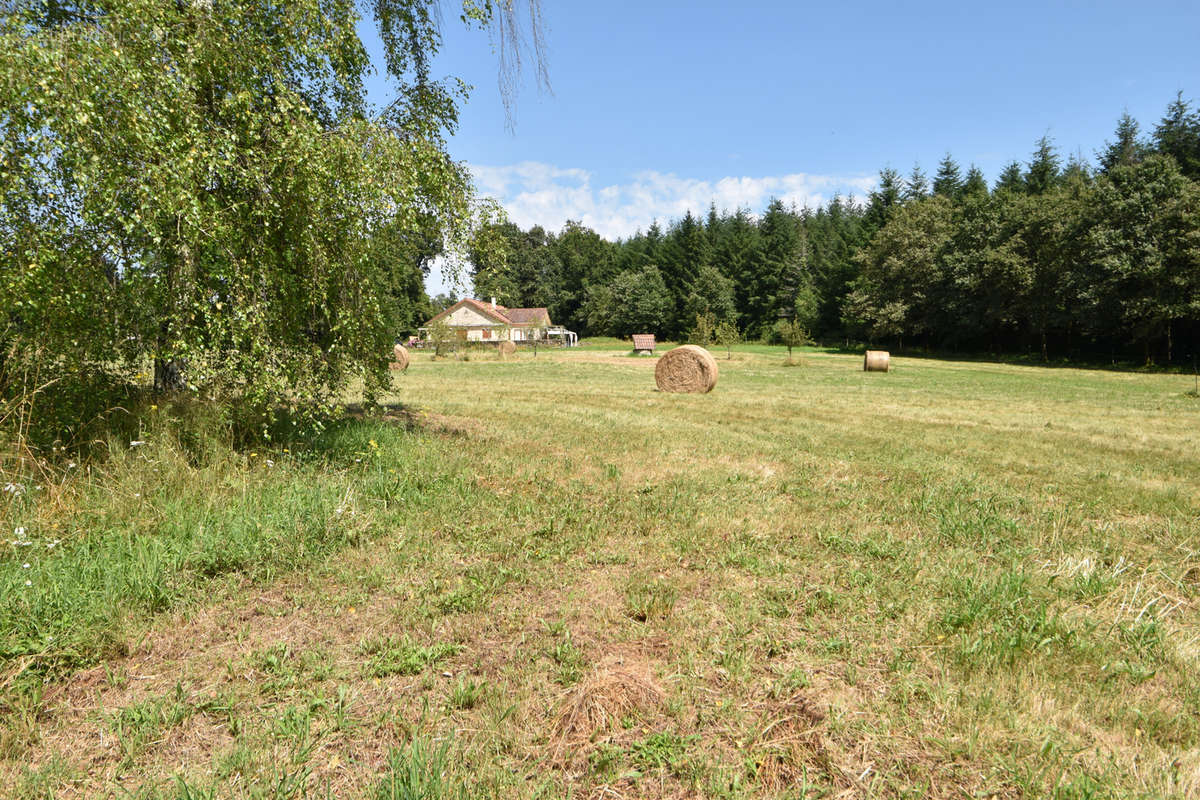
(650, 600)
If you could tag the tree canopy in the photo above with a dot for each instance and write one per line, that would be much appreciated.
(1060, 260)
(202, 186)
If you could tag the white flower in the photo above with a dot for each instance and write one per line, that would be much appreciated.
(25, 565)
(270, 463)
(71, 465)
(29, 583)
(50, 545)
(19, 533)
(136, 443)
(14, 488)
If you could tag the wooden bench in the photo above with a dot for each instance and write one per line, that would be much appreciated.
(643, 343)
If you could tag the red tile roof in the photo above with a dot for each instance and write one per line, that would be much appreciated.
(518, 317)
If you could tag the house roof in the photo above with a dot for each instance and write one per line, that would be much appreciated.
(483, 308)
(502, 315)
(525, 316)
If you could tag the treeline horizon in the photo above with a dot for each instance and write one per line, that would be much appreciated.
(1057, 259)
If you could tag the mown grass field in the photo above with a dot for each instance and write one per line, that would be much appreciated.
(542, 578)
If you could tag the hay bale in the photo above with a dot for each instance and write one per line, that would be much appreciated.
(877, 361)
(400, 357)
(688, 368)
(506, 348)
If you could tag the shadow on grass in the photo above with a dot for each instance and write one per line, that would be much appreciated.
(1015, 359)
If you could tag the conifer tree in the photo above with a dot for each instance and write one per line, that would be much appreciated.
(1044, 171)
(1011, 179)
(884, 198)
(948, 181)
(738, 254)
(1128, 147)
(783, 269)
(917, 185)
(685, 252)
(1178, 135)
(974, 184)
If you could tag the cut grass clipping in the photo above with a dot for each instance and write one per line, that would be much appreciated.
(600, 703)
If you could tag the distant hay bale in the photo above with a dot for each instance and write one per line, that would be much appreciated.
(400, 357)
(687, 368)
(877, 361)
(506, 348)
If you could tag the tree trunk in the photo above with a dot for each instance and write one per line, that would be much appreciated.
(168, 375)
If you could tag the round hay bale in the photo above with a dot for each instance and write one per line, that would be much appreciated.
(688, 368)
(506, 348)
(400, 357)
(877, 361)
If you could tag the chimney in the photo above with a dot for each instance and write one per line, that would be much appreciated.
(493, 304)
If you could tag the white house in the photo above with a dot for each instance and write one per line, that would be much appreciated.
(477, 321)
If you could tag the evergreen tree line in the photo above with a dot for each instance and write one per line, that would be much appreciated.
(1058, 259)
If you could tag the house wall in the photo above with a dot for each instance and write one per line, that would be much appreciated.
(467, 317)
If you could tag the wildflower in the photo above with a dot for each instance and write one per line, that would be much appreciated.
(14, 488)
(154, 407)
(19, 533)
(29, 583)
(136, 443)
(374, 445)
(25, 565)
(351, 609)
(269, 463)
(51, 545)
(70, 465)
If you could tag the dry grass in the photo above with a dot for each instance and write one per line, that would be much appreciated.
(949, 580)
(615, 691)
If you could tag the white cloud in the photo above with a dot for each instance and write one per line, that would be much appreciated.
(543, 194)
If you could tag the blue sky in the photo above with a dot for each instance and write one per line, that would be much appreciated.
(662, 106)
